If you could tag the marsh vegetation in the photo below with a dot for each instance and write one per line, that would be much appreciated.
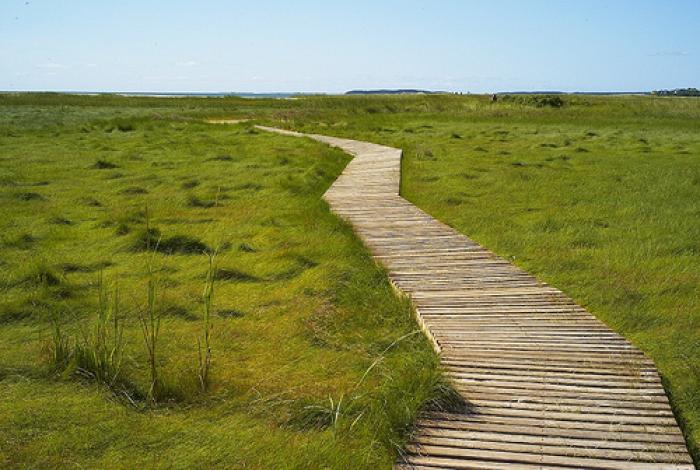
(124, 338)
(599, 196)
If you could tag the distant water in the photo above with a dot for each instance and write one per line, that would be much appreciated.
(213, 95)
(167, 94)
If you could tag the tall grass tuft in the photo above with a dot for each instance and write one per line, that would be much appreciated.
(60, 349)
(204, 343)
(101, 352)
(149, 318)
(150, 327)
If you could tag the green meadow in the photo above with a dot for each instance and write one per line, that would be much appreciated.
(110, 217)
(114, 207)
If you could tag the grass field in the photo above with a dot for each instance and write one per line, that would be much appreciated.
(314, 359)
(599, 196)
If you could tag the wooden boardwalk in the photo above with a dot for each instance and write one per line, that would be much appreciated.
(548, 385)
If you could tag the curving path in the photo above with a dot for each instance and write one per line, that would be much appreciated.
(549, 386)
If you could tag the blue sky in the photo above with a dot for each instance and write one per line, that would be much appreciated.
(333, 46)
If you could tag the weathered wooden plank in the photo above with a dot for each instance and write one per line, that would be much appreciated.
(504, 443)
(478, 461)
(611, 436)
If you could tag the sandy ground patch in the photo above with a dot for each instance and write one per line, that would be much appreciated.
(226, 121)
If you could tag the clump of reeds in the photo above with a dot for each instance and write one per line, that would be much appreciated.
(99, 353)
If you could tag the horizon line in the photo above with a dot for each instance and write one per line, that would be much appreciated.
(331, 93)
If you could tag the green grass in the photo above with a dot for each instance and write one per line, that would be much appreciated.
(599, 197)
(298, 316)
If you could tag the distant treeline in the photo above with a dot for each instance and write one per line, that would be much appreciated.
(677, 92)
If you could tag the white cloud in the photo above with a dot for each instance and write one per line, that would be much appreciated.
(670, 54)
(187, 63)
(51, 65)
